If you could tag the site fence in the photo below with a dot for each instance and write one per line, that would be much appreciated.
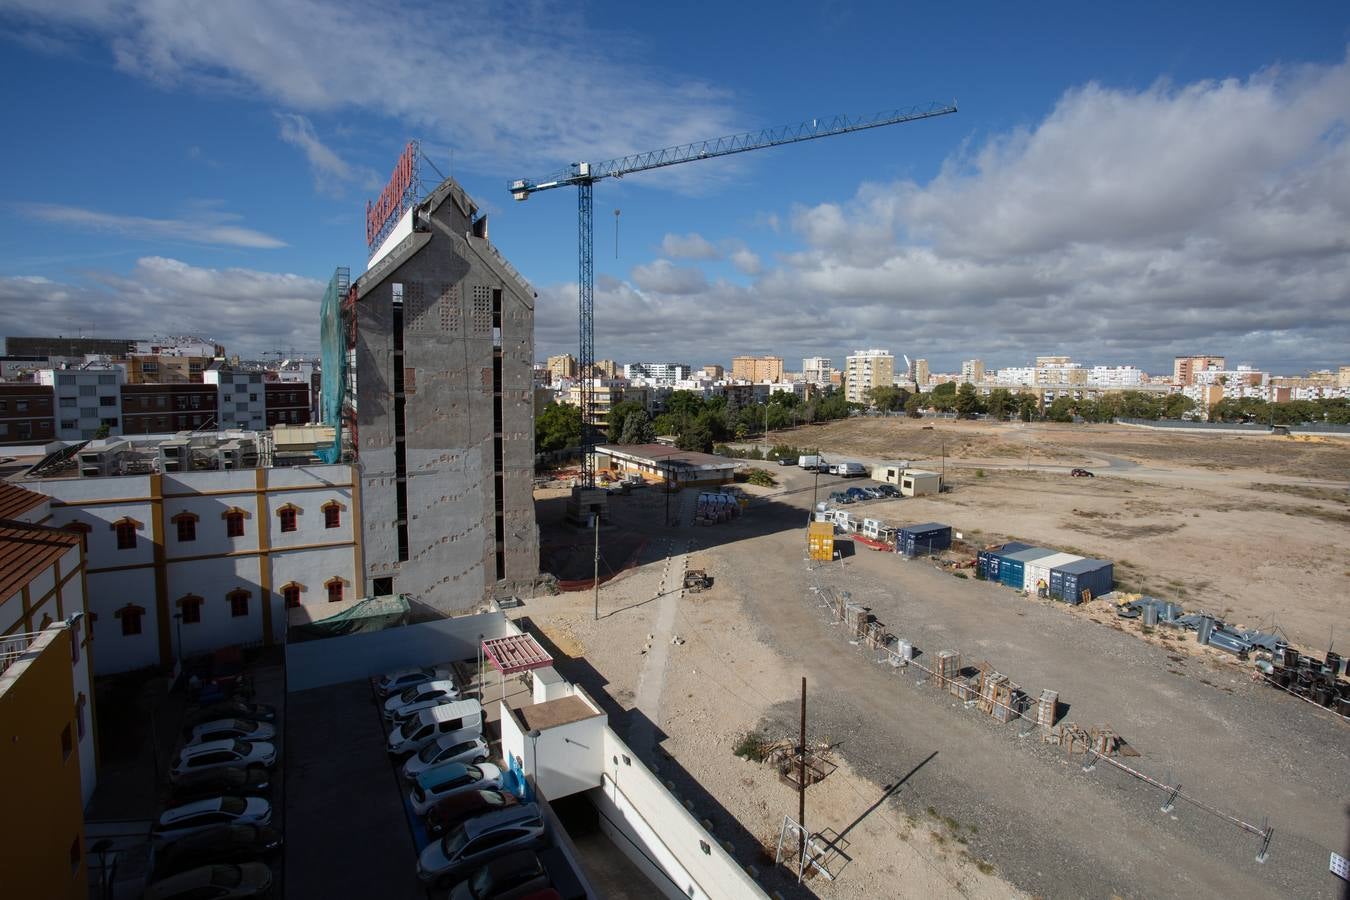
(876, 636)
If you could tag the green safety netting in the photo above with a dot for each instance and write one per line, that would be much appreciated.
(372, 614)
(334, 360)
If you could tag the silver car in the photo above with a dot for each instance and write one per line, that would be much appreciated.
(221, 754)
(190, 818)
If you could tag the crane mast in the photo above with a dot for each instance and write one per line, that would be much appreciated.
(584, 175)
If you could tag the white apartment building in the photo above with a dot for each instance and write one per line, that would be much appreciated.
(972, 371)
(86, 400)
(657, 373)
(817, 370)
(1116, 376)
(189, 562)
(1016, 376)
(866, 369)
(242, 401)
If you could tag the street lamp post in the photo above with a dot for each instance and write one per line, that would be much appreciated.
(533, 735)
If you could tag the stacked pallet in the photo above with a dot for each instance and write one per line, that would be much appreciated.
(949, 666)
(1046, 708)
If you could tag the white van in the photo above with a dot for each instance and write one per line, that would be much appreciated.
(463, 717)
(849, 469)
(808, 462)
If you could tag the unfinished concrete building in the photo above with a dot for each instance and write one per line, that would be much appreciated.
(439, 406)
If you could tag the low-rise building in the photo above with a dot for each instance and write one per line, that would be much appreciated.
(26, 413)
(167, 408)
(286, 403)
(88, 400)
(662, 464)
(243, 401)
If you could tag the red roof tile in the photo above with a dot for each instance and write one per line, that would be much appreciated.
(26, 550)
(15, 501)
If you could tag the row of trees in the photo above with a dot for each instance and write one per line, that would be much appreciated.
(700, 422)
(1296, 412)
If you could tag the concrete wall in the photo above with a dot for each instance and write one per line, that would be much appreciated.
(42, 852)
(446, 278)
(337, 660)
(565, 759)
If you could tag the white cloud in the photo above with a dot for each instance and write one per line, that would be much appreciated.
(209, 227)
(664, 277)
(249, 311)
(514, 85)
(1127, 226)
(688, 246)
(746, 261)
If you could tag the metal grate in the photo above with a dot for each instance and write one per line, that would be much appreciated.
(482, 309)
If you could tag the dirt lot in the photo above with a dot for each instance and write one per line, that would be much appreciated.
(934, 799)
(1255, 529)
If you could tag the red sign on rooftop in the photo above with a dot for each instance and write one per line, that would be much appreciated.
(398, 195)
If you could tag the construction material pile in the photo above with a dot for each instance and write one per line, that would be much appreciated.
(1316, 680)
(716, 508)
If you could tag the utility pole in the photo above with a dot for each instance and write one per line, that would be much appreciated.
(815, 491)
(595, 583)
(801, 772)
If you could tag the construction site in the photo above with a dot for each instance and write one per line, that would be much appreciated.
(967, 739)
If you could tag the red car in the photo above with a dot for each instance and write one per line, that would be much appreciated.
(460, 807)
(1081, 473)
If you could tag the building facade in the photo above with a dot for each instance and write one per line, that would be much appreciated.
(817, 369)
(26, 413)
(866, 369)
(662, 373)
(167, 408)
(714, 372)
(444, 418)
(286, 403)
(757, 368)
(564, 366)
(972, 371)
(242, 402)
(1184, 368)
(87, 400)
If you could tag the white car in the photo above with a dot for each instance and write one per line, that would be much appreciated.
(189, 818)
(474, 842)
(218, 754)
(463, 718)
(236, 729)
(418, 697)
(449, 749)
(393, 682)
(439, 782)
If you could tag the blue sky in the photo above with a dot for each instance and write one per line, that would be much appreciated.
(1123, 185)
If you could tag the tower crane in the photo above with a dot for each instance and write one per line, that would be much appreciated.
(584, 175)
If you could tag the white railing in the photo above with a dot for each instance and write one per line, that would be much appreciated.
(14, 646)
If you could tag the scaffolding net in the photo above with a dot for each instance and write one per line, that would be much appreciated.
(334, 360)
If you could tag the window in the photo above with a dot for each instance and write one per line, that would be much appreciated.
(21, 406)
(44, 426)
(180, 402)
(107, 379)
(126, 534)
(332, 515)
(70, 424)
(88, 390)
(110, 422)
(187, 527)
(149, 367)
(229, 398)
(196, 401)
(291, 594)
(69, 402)
(238, 603)
(234, 523)
(252, 398)
(88, 412)
(107, 401)
(191, 609)
(334, 590)
(384, 586)
(287, 516)
(67, 742)
(161, 402)
(131, 619)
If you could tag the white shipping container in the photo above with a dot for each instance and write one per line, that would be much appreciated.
(1036, 574)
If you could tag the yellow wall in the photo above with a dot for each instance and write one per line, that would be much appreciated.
(41, 790)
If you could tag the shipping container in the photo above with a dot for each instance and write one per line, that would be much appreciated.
(1013, 568)
(1036, 574)
(930, 537)
(820, 541)
(1067, 582)
(988, 561)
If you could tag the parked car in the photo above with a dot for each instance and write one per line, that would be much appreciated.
(784, 461)
(230, 709)
(221, 782)
(399, 705)
(1082, 473)
(857, 493)
(222, 882)
(873, 492)
(888, 490)
(244, 842)
(240, 729)
(222, 754)
(513, 875)
(465, 804)
(199, 815)
(840, 497)
(462, 719)
(396, 681)
(435, 783)
(476, 841)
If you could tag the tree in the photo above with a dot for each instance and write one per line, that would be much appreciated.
(1061, 410)
(696, 437)
(967, 402)
(888, 397)
(684, 404)
(999, 403)
(637, 428)
(914, 405)
(102, 432)
(557, 427)
(1177, 405)
(618, 414)
(1027, 406)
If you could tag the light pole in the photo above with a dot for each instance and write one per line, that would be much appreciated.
(815, 491)
(533, 735)
(595, 576)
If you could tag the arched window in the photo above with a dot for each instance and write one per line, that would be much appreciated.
(191, 609)
(234, 521)
(125, 529)
(334, 586)
(287, 514)
(332, 514)
(187, 526)
(238, 602)
(291, 594)
(130, 615)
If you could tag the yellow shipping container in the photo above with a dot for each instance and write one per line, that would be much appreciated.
(820, 540)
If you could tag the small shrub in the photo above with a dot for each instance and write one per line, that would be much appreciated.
(760, 477)
(959, 574)
(985, 867)
(753, 745)
(979, 473)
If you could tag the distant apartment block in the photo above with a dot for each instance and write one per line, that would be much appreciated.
(167, 408)
(117, 348)
(564, 366)
(1184, 368)
(660, 372)
(87, 400)
(972, 371)
(713, 371)
(26, 413)
(757, 368)
(243, 402)
(605, 368)
(921, 374)
(866, 369)
(817, 370)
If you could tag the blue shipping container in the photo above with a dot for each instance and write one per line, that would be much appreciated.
(988, 562)
(1013, 567)
(930, 537)
(1096, 576)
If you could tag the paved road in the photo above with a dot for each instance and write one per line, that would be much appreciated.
(1048, 826)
